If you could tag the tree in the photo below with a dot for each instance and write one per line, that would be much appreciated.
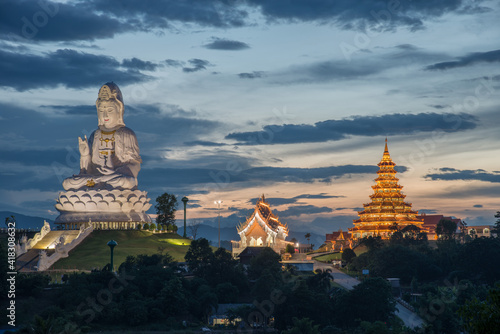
(152, 226)
(166, 205)
(445, 229)
(303, 326)
(372, 243)
(199, 256)
(482, 316)
(10, 221)
(411, 231)
(371, 300)
(496, 227)
(289, 249)
(308, 237)
(348, 255)
(267, 259)
(193, 227)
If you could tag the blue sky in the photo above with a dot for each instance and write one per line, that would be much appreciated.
(234, 99)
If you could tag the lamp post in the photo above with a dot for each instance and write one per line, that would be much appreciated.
(218, 209)
(112, 245)
(184, 200)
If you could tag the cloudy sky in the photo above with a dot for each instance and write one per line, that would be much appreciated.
(233, 99)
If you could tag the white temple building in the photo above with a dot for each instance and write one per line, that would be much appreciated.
(261, 229)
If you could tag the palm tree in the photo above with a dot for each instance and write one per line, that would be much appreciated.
(308, 237)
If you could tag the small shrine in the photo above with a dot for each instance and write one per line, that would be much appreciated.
(387, 208)
(261, 229)
(337, 241)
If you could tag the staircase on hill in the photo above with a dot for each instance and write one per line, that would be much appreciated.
(49, 249)
(27, 261)
(53, 237)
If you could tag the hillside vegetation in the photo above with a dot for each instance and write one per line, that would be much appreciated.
(93, 252)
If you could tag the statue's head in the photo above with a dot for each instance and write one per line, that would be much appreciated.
(110, 106)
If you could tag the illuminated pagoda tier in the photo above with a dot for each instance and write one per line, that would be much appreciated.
(388, 206)
(261, 229)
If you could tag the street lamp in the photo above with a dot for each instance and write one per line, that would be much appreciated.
(184, 200)
(112, 245)
(218, 209)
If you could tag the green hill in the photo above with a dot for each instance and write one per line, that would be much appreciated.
(93, 252)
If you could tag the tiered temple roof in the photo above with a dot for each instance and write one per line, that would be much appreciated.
(388, 206)
(263, 211)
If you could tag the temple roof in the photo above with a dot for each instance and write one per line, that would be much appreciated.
(263, 209)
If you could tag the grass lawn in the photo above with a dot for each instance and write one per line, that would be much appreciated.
(329, 257)
(93, 252)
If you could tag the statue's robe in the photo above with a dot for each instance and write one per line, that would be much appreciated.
(121, 155)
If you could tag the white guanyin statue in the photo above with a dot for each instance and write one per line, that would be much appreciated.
(110, 157)
(105, 190)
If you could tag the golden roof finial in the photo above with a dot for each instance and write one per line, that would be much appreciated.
(386, 156)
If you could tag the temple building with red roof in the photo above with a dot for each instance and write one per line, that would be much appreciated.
(431, 222)
(261, 229)
(387, 206)
(337, 241)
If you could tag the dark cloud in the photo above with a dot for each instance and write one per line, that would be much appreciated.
(379, 14)
(477, 206)
(80, 110)
(399, 56)
(384, 125)
(468, 60)
(196, 65)
(317, 196)
(64, 67)
(274, 201)
(297, 210)
(173, 63)
(161, 14)
(451, 174)
(33, 157)
(51, 21)
(100, 19)
(138, 64)
(325, 71)
(280, 201)
(252, 75)
(226, 44)
(211, 180)
(427, 211)
(438, 106)
(204, 143)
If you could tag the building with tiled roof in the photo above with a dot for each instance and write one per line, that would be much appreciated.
(431, 221)
(338, 240)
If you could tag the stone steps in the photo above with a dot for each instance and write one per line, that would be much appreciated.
(53, 237)
(27, 261)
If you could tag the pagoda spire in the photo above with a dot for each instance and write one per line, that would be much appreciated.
(386, 156)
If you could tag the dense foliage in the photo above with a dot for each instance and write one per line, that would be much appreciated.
(447, 285)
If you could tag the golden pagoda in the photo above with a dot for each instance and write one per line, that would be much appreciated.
(387, 206)
(261, 229)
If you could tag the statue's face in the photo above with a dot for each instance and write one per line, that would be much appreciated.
(109, 114)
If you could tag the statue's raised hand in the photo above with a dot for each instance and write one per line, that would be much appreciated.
(83, 145)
